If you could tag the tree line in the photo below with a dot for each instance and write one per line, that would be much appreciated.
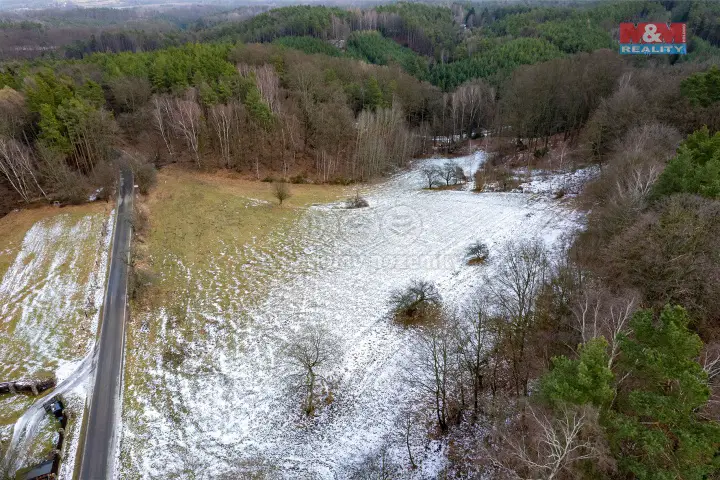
(259, 108)
(446, 45)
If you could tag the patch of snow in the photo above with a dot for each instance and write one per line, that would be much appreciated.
(47, 295)
(555, 183)
(256, 202)
(94, 196)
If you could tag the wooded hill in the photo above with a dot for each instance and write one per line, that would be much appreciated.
(308, 103)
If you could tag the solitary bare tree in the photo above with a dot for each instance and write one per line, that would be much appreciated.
(436, 369)
(281, 191)
(311, 355)
(431, 174)
(449, 172)
(417, 299)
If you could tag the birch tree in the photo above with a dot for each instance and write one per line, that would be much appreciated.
(186, 118)
(161, 117)
(554, 443)
(598, 313)
(221, 119)
(17, 167)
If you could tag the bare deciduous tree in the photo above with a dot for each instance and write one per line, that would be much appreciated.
(185, 118)
(311, 355)
(431, 174)
(221, 118)
(554, 445)
(436, 369)
(415, 299)
(161, 116)
(475, 349)
(470, 105)
(600, 314)
(383, 141)
(14, 113)
(710, 361)
(523, 270)
(281, 191)
(449, 172)
(376, 466)
(406, 423)
(17, 166)
(267, 81)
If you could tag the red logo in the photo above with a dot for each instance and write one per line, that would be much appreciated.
(652, 33)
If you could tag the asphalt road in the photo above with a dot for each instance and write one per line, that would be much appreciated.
(98, 456)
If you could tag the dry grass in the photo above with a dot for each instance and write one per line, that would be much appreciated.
(456, 186)
(195, 218)
(213, 244)
(476, 261)
(15, 225)
(64, 338)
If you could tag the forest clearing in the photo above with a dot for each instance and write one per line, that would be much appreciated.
(208, 392)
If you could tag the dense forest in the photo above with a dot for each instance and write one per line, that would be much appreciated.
(303, 98)
(604, 357)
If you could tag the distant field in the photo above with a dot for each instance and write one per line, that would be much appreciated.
(52, 274)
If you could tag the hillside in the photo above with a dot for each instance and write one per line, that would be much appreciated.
(400, 241)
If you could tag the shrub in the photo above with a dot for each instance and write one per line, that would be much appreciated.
(356, 202)
(416, 302)
(298, 179)
(480, 180)
(281, 191)
(476, 253)
(145, 177)
(268, 179)
(74, 189)
(104, 176)
(341, 181)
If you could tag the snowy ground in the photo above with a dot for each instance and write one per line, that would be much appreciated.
(554, 183)
(222, 409)
(49, 307)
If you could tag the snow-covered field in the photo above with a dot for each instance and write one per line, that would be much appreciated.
(50, 298)
(222, 409)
